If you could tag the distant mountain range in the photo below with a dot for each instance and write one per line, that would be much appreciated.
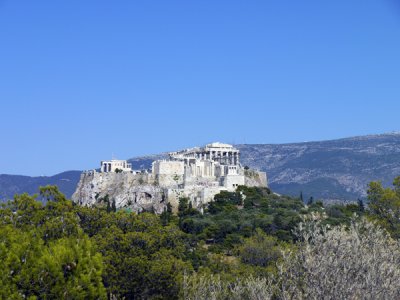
(330, 170)
(333, 170)
(17, 184)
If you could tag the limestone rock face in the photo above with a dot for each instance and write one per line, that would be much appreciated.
(142, 192)
(255, 178)
(136, 192)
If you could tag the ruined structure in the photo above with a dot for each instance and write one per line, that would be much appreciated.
(198, 173)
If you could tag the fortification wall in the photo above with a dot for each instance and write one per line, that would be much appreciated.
(231, 182)
(168, 167)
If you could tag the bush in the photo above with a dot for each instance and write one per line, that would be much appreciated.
(356, 262)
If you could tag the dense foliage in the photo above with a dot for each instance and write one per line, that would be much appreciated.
(248, 244)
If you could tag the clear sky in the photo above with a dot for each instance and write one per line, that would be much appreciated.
(82, 80)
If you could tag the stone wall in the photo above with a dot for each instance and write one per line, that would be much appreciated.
(168, 173)
(231, 182)
(163, 167)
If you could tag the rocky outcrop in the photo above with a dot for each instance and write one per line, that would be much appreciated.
(141, 192)
(136, 192)
(255, 178)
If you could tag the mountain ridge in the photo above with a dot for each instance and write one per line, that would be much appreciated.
(337, 169)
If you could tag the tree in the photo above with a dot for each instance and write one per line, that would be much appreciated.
(67, 268)
(206, 286)
(164, 217)
(356, 262)
(361, 206)
(396, 184)
(183, 206)
(142, 258)
(52, 193)
(167, 215)
(259, 250)
(384, 206)
(108, 207)
(113, 207)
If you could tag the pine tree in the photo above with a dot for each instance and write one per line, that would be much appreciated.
(108, 206)
(164, 217)
(113, 207)
(169, 208)
(361, 205)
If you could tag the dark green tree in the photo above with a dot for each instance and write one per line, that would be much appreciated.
(165, 217)
(361, 205)
(108, 207)
(113, 206)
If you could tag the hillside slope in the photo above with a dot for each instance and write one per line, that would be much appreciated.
(337, 169)
(17, 184)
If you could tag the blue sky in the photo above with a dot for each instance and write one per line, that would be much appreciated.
(82, 80)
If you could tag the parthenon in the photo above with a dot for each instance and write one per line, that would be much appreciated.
(223, 153)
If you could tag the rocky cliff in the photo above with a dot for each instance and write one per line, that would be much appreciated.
(126, 189)
(140, 192)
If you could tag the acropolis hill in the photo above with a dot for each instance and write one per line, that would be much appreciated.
(197, 173)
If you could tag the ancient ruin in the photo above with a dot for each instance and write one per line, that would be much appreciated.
(197, 173)
(115, 165)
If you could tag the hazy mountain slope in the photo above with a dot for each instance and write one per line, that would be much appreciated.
(16, 184)
(144, 162)
(337, 169)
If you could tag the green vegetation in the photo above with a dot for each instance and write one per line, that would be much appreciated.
(384, 206)
(245, 244)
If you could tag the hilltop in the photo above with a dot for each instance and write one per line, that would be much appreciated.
(332, 170)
